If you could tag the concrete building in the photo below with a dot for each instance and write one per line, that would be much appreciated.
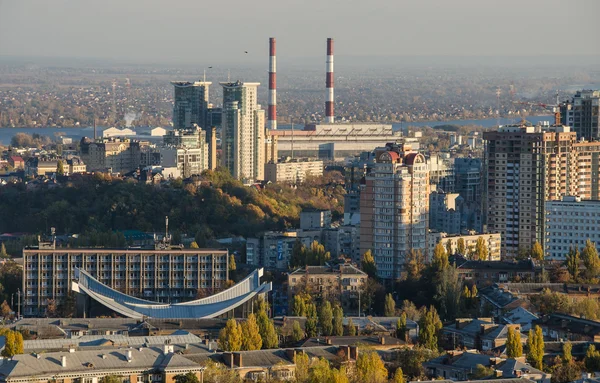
(314, 219)
(190, 104)
(243, 131)
(525, 167)
(292, 171)
(116, 132)
(468, 184)
(445, 212)
(341, 283)
(164, 274)
(582, 113)
(343, 240)
(335, 141)
(394, 208)
(493, 242)
(352, 208)
(273, 250)
(120, 155)
(75, 165)
(570, 223)
(16, 162)
(41, 166)
(187, 150)
(441, 172)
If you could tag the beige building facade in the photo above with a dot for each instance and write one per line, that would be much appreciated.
(293, 171)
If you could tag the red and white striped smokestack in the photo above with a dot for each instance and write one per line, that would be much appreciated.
(272, 118)
(329, 116)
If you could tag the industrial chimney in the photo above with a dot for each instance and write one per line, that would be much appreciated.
(272, 118)
(329, 116)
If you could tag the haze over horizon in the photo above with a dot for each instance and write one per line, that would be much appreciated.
(191, 31)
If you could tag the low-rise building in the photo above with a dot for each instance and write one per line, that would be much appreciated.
(343, 240)
(570, 223)
(41, 166)
(16, 162)
(292, 171)
(567, 327)
(341, 283)
(484, 273)
(75, 165)
(492, 241)
(274, 249)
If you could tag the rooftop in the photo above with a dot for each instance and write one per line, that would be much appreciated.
(329, 269)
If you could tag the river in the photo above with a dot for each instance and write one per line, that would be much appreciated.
(76, 133)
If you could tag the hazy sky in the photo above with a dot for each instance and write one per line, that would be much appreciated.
(191, 30)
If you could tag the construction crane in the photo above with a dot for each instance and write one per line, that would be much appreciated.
(555, 107)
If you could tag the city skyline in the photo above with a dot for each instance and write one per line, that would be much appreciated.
(146, 30)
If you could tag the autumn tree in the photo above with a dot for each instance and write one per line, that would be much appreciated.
(338, 320)
(537, 252)
(119, 379)
(51, 308)
(302, 363)
(429, 327)
(3, 253)
(414, 265)
(461, 247)
(368, 264)
(439, 261)
(449, 248)
(194, 245)
(5, 310)
(535, 347)
(299, 304)
(567, 355)
(481, 372)
(370, 368)
(251, 339)
(592, 359)
(297, 333)
(312, 320)
(60, 168)
(590, 260)
(481, 249)
(13, 343)
(398, 376)
(266, 327)
(326, 318)
(230, 337)
(351, 328)
(390, 306)
(514, 347)
(572, 264)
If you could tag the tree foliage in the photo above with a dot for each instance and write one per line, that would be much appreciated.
(481, 372)
(338, 320)
(370, 368)
(368, 264)
(326, 318)
(537, 251)
(297, 333)
(230, 336)
(535, 347)
(119, 379)
(251, 339)
(312, 320)
(13, 343)
(414, 265)
(591, 261)
(351, 328)
(514, 347)
(567, 355)
(401, 327)
(572, 263)
(440, 258)
(592, 359)
(461, 247)
(390, 306)
(481, 249)
(429, 327)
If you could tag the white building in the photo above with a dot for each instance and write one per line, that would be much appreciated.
(115, 132)
(243, 131)
(570, 223)
(293, 171)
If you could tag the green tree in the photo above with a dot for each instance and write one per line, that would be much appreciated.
(320, 371)
(338, 320)
(566, 372)
(429, 327)
(481, 249)
(567, 355)
(326, 318)
(339, 375)
(266, 327)
(3, 253)
(572, 263)
(401, 327)
(390, 306)
(514, 347)
(448, 288)
(414, 265)
(461, 247)
(230, 337)
(440, 258)
(119, 379)
(299, 304)
(398, 376)
(592, 359)
(590, 260)
(537, 252)
(312, 320)
(351, 328)
(481, 372)
(297, 333)
(368, 264)
(251, 339)
(370, 368)
(302, 363)
(60, 168)
(535, 347)
(218, 373)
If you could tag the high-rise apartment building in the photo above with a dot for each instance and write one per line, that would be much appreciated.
(119, 155)
(394, 208)
(187, 150)
(525, 167)
(190, 104)
(165, 274)
(468, 183)
(243, 131)
(582, 113)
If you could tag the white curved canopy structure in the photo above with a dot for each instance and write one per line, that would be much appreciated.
(209, 307)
